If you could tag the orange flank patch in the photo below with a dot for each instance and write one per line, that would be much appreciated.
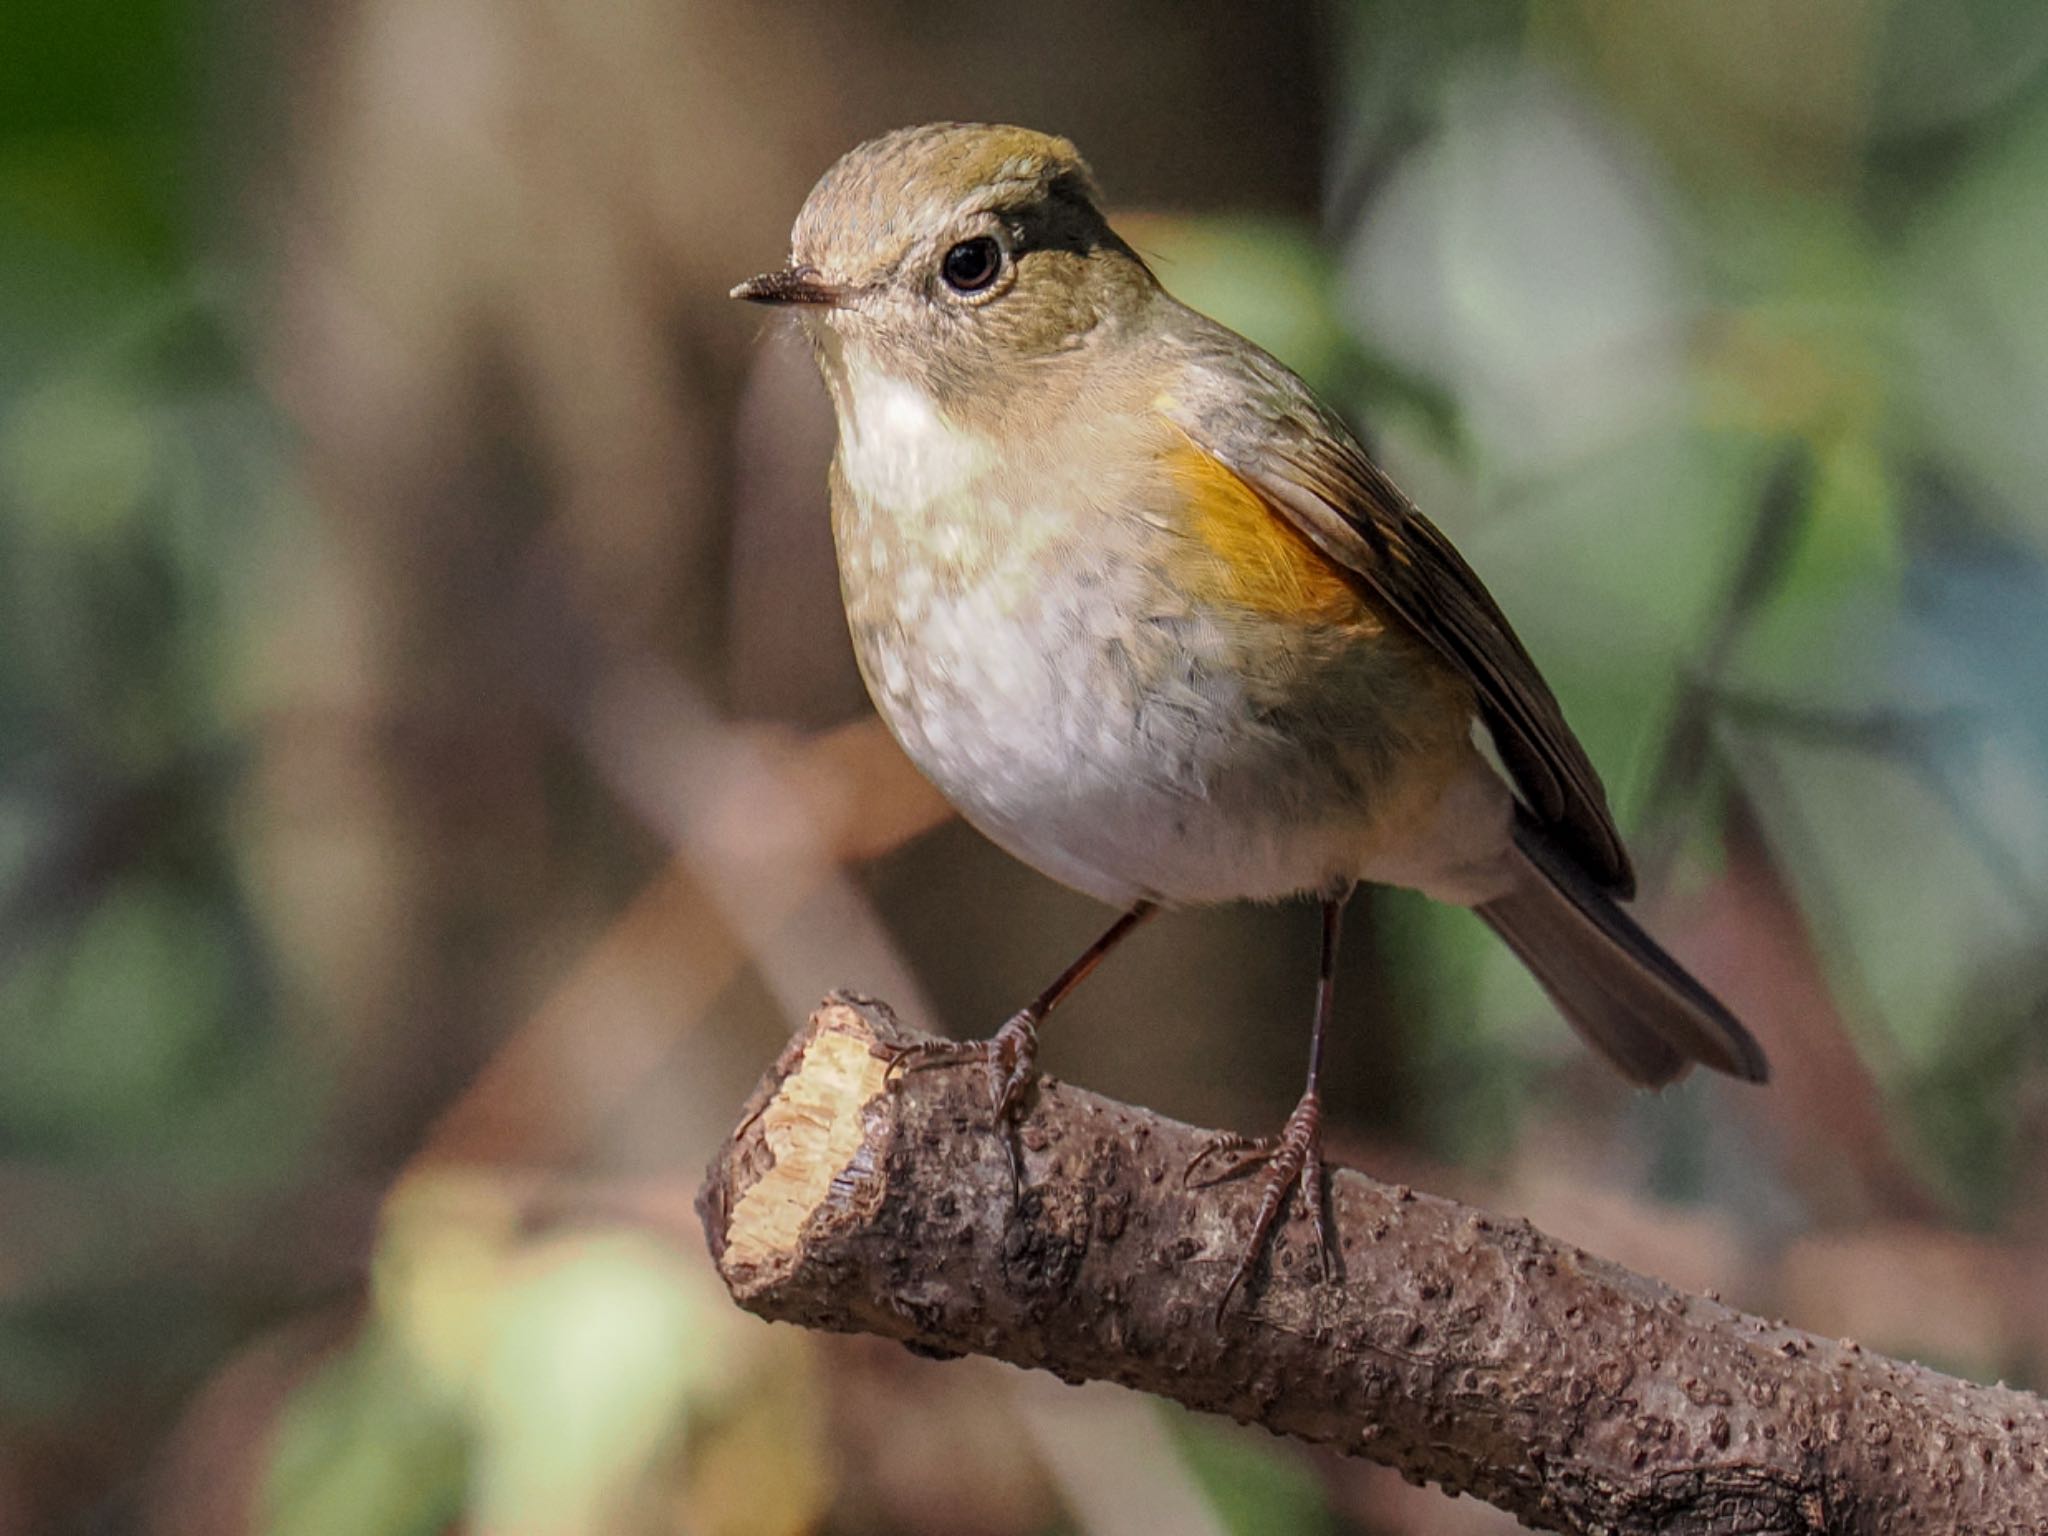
(1260, 561)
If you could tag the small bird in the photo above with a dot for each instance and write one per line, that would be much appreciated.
(1144, 610)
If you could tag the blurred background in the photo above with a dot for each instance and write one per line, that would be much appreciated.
(433, 779)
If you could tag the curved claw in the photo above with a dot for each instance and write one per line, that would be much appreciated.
(925, 1054)
(1248, 1150)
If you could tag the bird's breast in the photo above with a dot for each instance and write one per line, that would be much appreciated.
(1113, 659)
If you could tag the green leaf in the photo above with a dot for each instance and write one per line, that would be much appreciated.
(1268, 279)
(1614, 572)
(1979, 338)
(1257, 1489)
(594, 1353)
(362, 1449)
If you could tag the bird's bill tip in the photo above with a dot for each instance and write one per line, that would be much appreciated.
(791, 285)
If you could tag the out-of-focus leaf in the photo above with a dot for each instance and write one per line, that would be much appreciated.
(1904, 789)
(1525, 260)
(363, 1450)
(1614, 571)
(1888, 735)
(1256, 1487)
(1979, 332)
(1802, 338)
(93, 95)
(1267, 279)
(58, 292)
(1908, 911)
(1522, 260)
(1397, 56)
(593, 1355)
(593, 1373)
(1853, 539)
(1976, 1139)
(1987, 618)
(106, 1031)
(759, 1459)
(77, 460)
(1838, 586)
(1944, 63)
(446, 1242)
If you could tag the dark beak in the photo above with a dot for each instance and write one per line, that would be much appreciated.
(794, 285)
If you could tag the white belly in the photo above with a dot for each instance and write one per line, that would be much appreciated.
(1084, 751)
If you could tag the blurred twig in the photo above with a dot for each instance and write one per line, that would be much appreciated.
(655, 974)
(1687, 754)
(1755, 945)
(1771, 970)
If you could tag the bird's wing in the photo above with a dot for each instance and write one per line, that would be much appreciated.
(1261, 422)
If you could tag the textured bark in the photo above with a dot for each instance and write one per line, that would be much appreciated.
(1462, 1348)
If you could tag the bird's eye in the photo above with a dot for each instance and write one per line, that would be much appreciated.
(972, 265)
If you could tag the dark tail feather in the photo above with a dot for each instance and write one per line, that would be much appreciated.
(1632, 1002)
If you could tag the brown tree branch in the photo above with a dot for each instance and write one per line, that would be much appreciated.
(1462, 1348)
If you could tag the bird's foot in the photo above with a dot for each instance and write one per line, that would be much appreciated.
(1009, 1057)
(1293, 1159)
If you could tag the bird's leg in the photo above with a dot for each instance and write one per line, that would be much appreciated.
(1294, 1158)
(1011, 1053)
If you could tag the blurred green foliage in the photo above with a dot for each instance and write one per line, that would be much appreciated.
(97, 107)
(540, 1387)
(1254, 1492)
(1741, 317)
(139, 1037)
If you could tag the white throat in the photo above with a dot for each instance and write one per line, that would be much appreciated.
(896, 448)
